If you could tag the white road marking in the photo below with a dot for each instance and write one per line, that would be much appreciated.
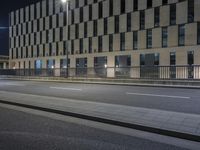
(63, 88)
(155, 95)
(13, 84)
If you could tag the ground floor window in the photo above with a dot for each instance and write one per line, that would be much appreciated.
(122, 66)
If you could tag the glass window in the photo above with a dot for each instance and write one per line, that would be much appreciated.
(149, 38)
(156, 16)
(181, 35)
(110, 43)
(164, 37)
(105, 26)
(142, 20)
(85, 30)
(128, 22)
(90, 12)
(190, 11)
(95, 28)
(122, 42)
(149, 3)
(135, 5)
(100, 10)
(100, 44)
(172, 58)
(77, 31)
(135, 40)
(123, 6)
(81, 14)
(81, 46)
(173, 14)
(111, 7)
(198, 33)
(116, 24)
(90, 45)
(51, 64)
(190, 57)
(164, 2)
(77, 3)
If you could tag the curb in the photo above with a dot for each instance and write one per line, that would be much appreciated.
(175, 134)
(108, 83)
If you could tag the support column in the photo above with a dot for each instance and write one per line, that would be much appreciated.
(4, 65)
(111, 66)
(135, 63)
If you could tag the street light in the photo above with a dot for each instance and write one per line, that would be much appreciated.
(66, 3)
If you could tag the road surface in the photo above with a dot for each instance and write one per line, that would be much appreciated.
(170, 99)
(21, 130)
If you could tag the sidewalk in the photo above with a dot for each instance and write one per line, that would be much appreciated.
(195, 84)
(182, 125)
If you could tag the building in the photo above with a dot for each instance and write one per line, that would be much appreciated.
(4, 62)
(107, 33)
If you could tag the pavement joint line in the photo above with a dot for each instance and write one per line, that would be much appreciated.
(157, 130)
(155, 95)
(65, 88)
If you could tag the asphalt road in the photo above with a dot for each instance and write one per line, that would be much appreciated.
(171, 99)
(25, 131)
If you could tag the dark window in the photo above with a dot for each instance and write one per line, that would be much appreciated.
(100, 10)
(54, 35)
(81, 14)
(198, 33)
(57, 49)
(164, 36)
(190, 57)
(50, 49)
(41, 37)
(47, 36)
(173, 14)
(90, 45)
(38, 25)
(164, 2)
(111, 7)
(123, 6)
(38, 51)
(72, 16)
(77, 3)
(57, 20)
(50, 22)
(77, 31)
(149, 38)
(47, 7)
(54, 10)
(128, 22)
(156, 16)
(110, 43)
(95, 1)
(105, 26)
(190, 11)
(72, 47)
(35, 11)
(172, 58)
(35, 38)
(116, 24)
(44, 23)
(85, 30)
(95, 28)
(135, 40)
(135, 5)
(61, 34)
(69, 35)
(181, 35)
(142, 20)
(41, 9)
(90, 12)
(81, 46)
(100, 44)
(149, 3)
(122, 42)
(65, 48)
(85, 2)
(64, 18)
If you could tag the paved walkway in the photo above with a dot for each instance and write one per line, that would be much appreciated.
(165, 120)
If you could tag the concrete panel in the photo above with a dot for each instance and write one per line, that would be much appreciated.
(181, 12)
(135, 24)
(142, 39)
(149, 18)
(157, 38)
(190, 34)
(164, 15)
(173, 36)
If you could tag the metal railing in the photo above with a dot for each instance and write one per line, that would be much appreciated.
(141, 72)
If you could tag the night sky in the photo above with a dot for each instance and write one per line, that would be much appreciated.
(6, 7)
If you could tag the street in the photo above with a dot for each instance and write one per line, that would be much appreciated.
(170, 99)
(21, 130)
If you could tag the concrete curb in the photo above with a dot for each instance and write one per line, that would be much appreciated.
(171, 84)
(175, 134)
